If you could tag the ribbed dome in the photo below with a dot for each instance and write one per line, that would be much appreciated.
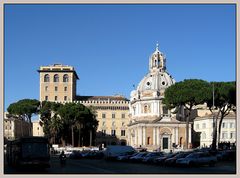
(155, 81)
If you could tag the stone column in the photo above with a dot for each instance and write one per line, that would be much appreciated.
(129, 140)
(144, 135)
(141, 135)
(136, 136)
(154, 135)
(177, 136)
(158, 141)
(190, 134)
(173, 137)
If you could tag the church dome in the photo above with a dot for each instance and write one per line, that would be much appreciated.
(155, 81)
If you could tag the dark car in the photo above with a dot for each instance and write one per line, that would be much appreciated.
(197, 159)
(126, 156)
(75, 155)
(94, 155)
(151, 156)
(139, 157)
(161, 160)
(172, 161)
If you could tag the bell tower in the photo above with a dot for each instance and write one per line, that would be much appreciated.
(157, 61)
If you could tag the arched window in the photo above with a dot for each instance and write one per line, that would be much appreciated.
(65, 78)
(56, 78)
(46, 78)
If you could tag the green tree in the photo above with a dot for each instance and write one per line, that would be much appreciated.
(224, 101)
(24, 109)
(77, 116)
(187, 93)
(53, 125)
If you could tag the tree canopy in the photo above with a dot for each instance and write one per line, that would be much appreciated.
(223, 102)
(60, 120)
(24, 108)
(187, 93)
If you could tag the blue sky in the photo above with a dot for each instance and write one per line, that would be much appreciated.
(110, 45)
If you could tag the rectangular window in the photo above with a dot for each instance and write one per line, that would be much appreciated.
(113, 116)
(65, 88)
(56, 98)
(56, 88)
(123, 116)
(223, 125)
(103, 115)
(165, 110)
(113, 132)
(231, 135)
(122, 132)
(46, 88)
(46, 98)
(224, 135)
(204, 125)
(65, 98)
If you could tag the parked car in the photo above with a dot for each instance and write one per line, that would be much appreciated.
(226, 155)
(151, 156)
(139, 157)
(94, 155)
(172, 161)
(75, 155)
(160, 160)
(126, 156)
(197, 158)
(113, 151)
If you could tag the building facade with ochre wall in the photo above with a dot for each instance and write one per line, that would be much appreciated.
(58, 84)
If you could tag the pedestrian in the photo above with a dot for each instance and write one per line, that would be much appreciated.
(62, 158)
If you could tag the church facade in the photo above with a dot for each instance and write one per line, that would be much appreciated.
(152, 125)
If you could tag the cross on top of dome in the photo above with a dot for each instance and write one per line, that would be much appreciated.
(157, 45)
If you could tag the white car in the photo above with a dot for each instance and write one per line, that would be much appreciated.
(198, 158)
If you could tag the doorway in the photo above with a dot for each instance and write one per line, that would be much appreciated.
(165, 143)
